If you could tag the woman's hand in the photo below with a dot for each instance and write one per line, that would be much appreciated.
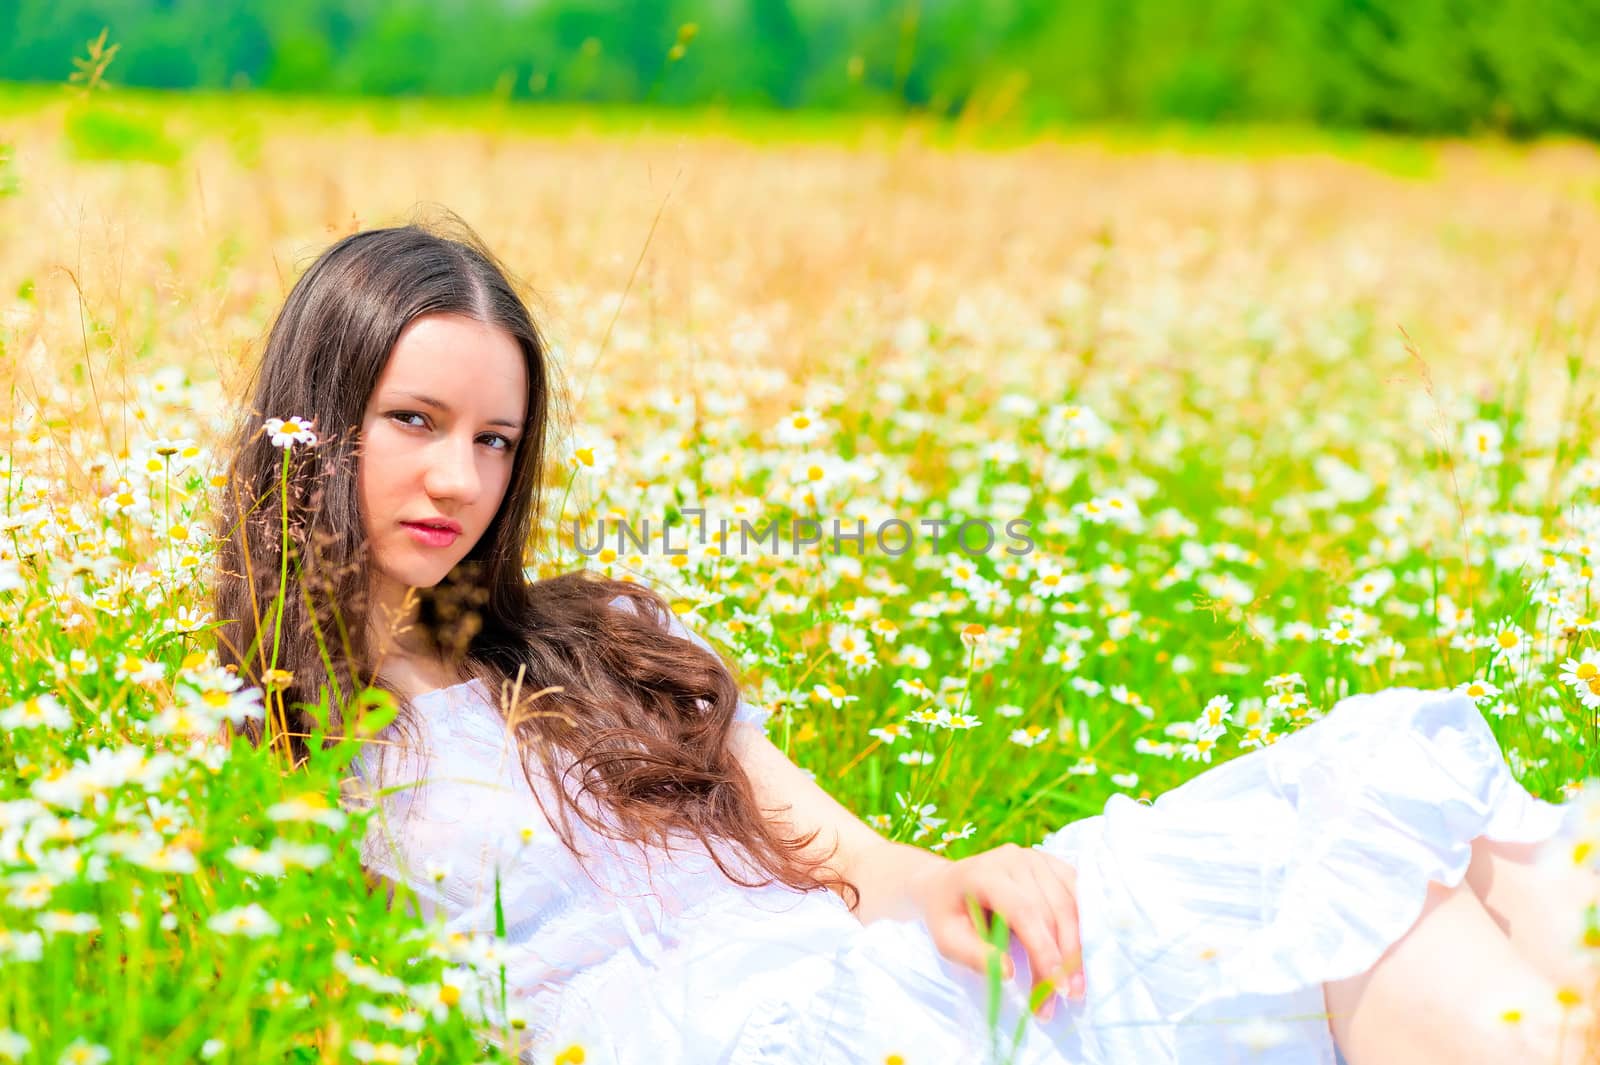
(1033, 890)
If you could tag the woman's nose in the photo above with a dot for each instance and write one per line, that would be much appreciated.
(453, 471)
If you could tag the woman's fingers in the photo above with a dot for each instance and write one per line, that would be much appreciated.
(1018, 901)
(1063, 881)
(1035, 893)
(1062, 908)
(959, 941)
(1068, 875)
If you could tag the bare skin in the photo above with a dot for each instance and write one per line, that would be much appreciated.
(1540, 908)
(1481, 976)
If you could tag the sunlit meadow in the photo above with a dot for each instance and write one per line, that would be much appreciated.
(1289, 417)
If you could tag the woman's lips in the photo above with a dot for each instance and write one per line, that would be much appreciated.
(430, 535)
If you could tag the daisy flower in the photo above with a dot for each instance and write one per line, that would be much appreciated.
(801, 428)
(1285, 681)
(1479, 691)
(1121, 694)
(914, 687)
(311, 806)
(392, 1016)
(833, 695)
(1161, 749)
(82, 1052)
(1215, 715)
(140, 671)
(250, 921)
(890, 733)
(1074, 427)
(1510, 641)
(41, 711)
(1340, 635)
(593, 454)
(65, 921)
(287, 432)
(886, 629)
(363, 1050)
(1583, 676)
(1031, 736)
(256, 861)
(1371, 587)
(1482, 441)
(13, 1045)
(1051, 580)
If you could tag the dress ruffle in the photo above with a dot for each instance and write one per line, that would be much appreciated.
(1212, 917)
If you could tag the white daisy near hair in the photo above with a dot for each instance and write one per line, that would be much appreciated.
(288, 432)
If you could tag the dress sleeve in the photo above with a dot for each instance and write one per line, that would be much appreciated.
(746, 710)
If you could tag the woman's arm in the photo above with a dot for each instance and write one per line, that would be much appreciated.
(879, 868)
(1035, 891)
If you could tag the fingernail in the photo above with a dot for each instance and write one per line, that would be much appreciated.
(1076, 985)
(1048, 1010)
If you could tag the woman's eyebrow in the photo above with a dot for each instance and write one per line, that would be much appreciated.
(443, 407)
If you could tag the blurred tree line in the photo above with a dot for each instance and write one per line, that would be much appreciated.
(1443, 66)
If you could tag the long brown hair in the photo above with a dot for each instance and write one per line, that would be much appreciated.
(644, 714)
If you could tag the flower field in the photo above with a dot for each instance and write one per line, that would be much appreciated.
(1255, 422)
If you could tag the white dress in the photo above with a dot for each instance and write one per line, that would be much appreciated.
(1210, 918)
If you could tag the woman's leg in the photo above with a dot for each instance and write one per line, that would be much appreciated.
(1541, 907)
(1453, 990)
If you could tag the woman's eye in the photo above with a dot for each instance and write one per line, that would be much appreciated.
(496, 441)
(401, 416)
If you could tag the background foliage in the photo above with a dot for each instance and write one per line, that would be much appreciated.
(1441, 66)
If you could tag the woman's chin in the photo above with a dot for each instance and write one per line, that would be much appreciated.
(418, 577)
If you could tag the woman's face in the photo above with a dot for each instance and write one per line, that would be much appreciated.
(438, 439)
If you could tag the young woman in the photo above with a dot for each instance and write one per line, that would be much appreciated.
(674, 890)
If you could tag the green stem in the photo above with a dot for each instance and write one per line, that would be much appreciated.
(283, 561)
